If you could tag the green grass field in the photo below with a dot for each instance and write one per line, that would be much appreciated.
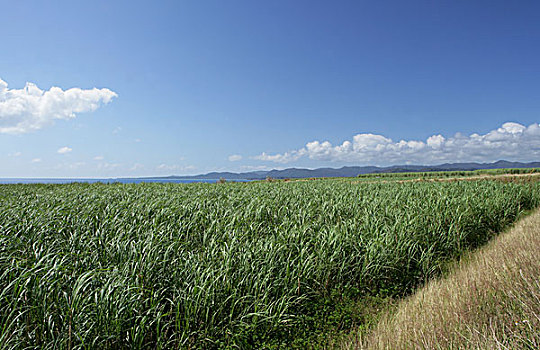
(267, 264)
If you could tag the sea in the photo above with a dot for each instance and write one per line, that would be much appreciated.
(111, 180)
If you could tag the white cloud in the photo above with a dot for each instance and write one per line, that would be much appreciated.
(15, 154)
(64, 150)
(511, 141)
(136, 166)
(235, 157)
(36, 160)
(286, 157)
(435, 141)
(30, 108)
(99, 158)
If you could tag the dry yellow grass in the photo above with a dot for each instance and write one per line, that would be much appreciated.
(490, 300)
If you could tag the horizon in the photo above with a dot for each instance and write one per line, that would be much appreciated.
(131, 89)
(194, 176)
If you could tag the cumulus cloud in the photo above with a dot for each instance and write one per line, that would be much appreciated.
(511, 141)
(36, 160)
(15, 154)
(64, 150)
(99, 158)
(286, 157)
(30, 108)
(235, 157)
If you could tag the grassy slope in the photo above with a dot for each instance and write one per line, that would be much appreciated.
(490, 301)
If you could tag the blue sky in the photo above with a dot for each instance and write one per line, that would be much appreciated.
(189, 87)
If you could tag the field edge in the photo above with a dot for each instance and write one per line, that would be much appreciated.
(491, 299)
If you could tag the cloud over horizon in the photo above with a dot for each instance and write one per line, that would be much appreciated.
(511, 141)
(30, 108)
(234, 158)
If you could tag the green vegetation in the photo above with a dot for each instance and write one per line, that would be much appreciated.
(264, 264)
(489, 300)
(448, 174)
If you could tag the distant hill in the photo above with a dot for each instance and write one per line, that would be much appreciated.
(351, 171)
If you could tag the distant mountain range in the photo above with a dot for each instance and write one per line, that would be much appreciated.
(351, 171)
